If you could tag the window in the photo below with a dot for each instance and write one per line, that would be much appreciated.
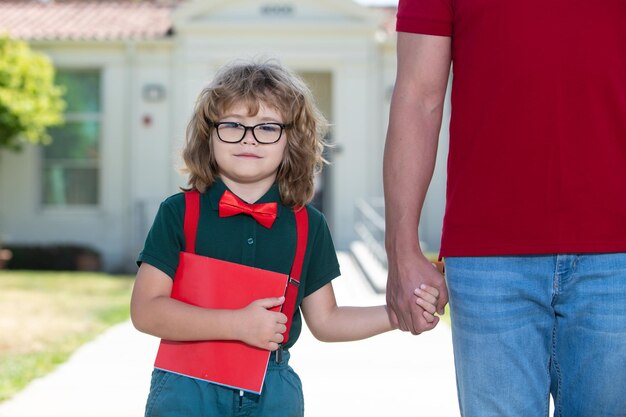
(71, 163)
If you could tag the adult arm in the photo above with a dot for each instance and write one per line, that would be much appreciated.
(410, 152)
(153, 311)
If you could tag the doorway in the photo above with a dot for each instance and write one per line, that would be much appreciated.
(320, 83)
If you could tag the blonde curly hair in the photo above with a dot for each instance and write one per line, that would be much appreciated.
(253, 84)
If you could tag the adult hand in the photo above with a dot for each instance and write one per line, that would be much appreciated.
(261, 327)
(405, 274)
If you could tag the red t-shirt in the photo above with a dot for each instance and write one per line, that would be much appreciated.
(537, 158)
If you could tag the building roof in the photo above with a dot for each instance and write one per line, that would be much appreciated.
(86, 20)
(103, 20)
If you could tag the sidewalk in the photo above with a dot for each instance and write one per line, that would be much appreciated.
(395, 374)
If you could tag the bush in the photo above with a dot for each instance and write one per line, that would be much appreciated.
(54, 258)
(30, 102)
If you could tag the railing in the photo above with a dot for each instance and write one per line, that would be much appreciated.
(370, 227)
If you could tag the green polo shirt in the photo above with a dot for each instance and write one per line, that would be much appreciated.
(242, 240)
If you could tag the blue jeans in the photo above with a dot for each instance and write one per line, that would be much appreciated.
(525, 327)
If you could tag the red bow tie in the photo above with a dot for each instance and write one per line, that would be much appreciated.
(231, 205)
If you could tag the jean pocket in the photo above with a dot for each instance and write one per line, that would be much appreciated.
(282, 394)
(158, 381)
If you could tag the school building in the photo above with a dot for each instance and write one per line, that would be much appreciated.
(133, 69)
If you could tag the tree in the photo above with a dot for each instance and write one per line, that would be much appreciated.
(29, 100)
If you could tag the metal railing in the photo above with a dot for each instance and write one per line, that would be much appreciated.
(370, 226)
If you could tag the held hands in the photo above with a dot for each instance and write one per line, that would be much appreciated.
(261, 327)
(427, 298)
(404, 283)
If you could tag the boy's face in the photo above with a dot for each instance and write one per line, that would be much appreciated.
(249, 162)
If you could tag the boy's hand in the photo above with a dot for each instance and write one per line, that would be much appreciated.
(427, 298)
(261, 327)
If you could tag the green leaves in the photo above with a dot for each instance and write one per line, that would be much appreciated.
(29, 100)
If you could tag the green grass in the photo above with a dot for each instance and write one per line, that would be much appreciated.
(46, 316)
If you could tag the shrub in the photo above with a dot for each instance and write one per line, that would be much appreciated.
(30, 102)
(53, 258)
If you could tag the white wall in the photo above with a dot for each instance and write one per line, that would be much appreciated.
(151, 135)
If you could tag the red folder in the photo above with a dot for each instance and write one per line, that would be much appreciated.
(213, 283)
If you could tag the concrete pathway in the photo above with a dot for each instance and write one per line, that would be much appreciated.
(395, 374)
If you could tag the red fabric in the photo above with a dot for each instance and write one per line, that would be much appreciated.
(537, 157)
(192, 215)
(291, 294)
(231, 205)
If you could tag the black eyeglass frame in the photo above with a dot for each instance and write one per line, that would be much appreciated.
(282, 126)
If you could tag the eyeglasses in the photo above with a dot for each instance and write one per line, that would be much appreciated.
(264, 133)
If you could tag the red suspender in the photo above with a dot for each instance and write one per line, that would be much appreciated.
(192, 216)
(291, 294)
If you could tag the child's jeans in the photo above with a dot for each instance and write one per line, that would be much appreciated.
(527, 326)
(173, 395)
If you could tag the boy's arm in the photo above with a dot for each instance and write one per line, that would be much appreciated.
(427, 298)
(330, 323)
(153, 311)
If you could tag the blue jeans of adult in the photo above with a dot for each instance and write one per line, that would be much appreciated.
(525, 327)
